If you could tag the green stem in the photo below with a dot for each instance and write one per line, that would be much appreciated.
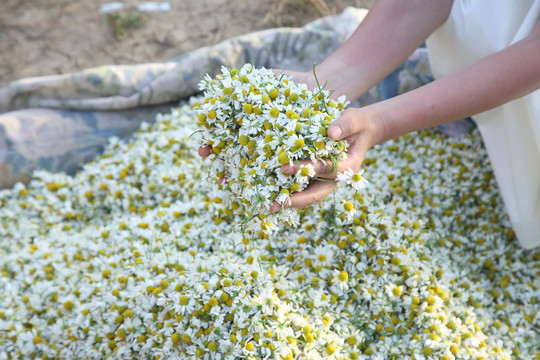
(325, 180)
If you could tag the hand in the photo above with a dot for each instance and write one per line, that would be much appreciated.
(362, 130)
(205, 151)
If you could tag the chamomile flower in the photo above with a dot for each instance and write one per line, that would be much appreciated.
(349, 209)
(355, 179)
(304, 174)
(323, 256)
(341, 278)
(252, 137)
(135, 256)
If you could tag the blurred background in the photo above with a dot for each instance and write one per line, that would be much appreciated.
(47, 37)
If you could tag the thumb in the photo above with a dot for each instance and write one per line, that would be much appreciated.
(348, 124)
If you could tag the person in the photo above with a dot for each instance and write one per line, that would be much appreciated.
(485, 55)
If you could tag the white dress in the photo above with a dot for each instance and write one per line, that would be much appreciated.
(511, 133)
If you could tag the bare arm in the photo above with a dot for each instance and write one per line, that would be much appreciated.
(390, 32)
(488, 83)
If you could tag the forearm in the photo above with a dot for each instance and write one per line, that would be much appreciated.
(391, 31)
(486, 84)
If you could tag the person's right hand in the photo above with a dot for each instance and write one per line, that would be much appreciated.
(362, 130)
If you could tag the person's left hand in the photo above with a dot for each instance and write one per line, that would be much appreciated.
(205, 151)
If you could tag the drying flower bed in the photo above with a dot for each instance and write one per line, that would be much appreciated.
(132, 258)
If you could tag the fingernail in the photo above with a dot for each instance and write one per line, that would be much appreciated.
(286, 169)
(335, 132)
(274, 208)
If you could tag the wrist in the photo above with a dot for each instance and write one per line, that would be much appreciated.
(339, 77)
(376, 126)
(380, 129)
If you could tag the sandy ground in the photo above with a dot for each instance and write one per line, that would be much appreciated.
(45, 37)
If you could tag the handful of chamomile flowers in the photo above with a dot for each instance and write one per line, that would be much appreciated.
(255, 121)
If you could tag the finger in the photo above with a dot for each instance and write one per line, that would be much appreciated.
(277, 206)
(321, 167)
(297, 165)
(355, 156)
(324, 168)
(205, 151)
(349, 123)
(288, 169)
(310, 195)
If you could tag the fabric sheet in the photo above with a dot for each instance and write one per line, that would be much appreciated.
(58, 123)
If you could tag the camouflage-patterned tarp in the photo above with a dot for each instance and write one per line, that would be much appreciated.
(60, 122)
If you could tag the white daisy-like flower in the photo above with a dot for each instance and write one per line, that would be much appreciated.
(253, 132)
(352, 178)
(323, 256)
(304, 174)
(349, 209)
(341, 278)
(136, 255)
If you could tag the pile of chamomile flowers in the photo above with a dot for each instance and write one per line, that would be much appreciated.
(132, 258)
(255, 121)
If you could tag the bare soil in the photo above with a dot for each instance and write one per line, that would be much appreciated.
(46, 37)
